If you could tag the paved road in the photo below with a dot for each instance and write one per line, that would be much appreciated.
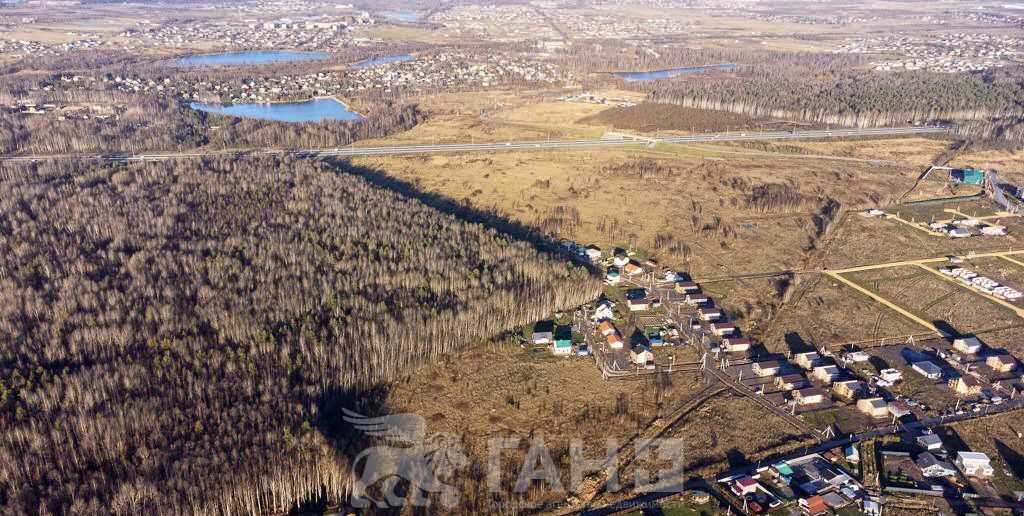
(489, 146)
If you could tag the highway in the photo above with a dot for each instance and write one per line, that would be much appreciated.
(384, 150)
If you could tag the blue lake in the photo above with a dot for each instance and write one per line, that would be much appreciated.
(671, 72)
(307, 111)
(248, 57)
(405, 16)
(377, 61)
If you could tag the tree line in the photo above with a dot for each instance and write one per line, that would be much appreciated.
(178, 335)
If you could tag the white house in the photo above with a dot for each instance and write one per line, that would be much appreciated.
(638, 305)
(927, 369)
(930, 442)
(723, 329)
(890, 375)
(974, 464)
(932, 467)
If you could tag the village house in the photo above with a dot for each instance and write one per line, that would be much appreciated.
(813, 506)
(603, 310)
(723, 329)
(826, 373)
(620, 259)
(874, 407)
(965, 386)
(898, 409)
(641, 355)
(697, 299)
(1001, 363)
(543, 332)
(607, 328)
(638, 304)
(927, 369)
(632, 269)
(614, 341)
(735, 344)
(890, 375)
(766, 368)
(563, 340)
(710, 313)
(687, 287)
(849, 389)
(790, 382)
(974, 464)
(613, 277)
(930, 442)
(932, 467)
(744, 486)
(809, 396)
(807, 360)
(970, 345)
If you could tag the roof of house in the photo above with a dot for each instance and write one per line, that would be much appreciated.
(928, 367)
(1003, 359)
(809, 392)
(783, 468)
(874, 402)
(929, 439)
(792, 378)
(767, 364)
(746, 482)
(970, 381)
(815, 504)
(926, 460)
(972, 456)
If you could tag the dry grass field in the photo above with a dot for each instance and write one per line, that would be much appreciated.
(824, 311)
(497, 391)
(935, 299)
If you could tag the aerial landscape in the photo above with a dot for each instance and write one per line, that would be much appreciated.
(638, 257)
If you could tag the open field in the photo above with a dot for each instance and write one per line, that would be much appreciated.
(863, 240)
(502, 391)
(934, 299)
(824, 311)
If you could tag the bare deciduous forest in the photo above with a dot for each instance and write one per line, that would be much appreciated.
(178, 335)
